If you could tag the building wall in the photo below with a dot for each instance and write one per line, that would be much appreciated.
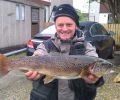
(13, 32)
(94, 11)
(82, 5)
(42, 18)
(103, 18)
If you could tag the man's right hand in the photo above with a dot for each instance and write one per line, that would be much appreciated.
(32, 75)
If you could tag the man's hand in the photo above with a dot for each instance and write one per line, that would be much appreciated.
(32, 75)
(91, 78)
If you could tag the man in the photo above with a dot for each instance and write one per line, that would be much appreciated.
(68, 40)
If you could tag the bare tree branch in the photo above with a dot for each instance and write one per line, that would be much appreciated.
(114, 8)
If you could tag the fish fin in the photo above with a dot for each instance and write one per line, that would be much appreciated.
(117, 79)
(3, 65)
(24, 69)
(48, 79)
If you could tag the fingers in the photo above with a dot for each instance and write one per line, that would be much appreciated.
(32, 75)
(88, 80)
(91, 79)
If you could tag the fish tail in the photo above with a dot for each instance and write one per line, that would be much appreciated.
(3, 65)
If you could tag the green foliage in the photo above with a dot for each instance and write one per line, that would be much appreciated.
(82, 17)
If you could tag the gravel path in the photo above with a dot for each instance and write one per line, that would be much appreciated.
(15, 86)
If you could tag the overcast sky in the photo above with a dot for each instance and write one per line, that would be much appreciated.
(81, 5)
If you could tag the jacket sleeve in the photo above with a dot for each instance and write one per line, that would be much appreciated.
(90, 50)
(41, 50)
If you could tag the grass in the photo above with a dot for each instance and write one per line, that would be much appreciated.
(18, 55)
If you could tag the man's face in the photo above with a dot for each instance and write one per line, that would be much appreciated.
(65, 27)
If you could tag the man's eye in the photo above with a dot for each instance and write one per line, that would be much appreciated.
(69, 25)
(60, 25)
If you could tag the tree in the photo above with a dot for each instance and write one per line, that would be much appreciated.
(82, 17)
(113, 7)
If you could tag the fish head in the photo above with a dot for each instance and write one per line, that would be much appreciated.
(102, 67)
(97, 69)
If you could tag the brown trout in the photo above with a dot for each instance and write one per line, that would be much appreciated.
(59, 67)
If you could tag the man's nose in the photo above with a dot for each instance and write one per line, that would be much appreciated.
(65, 27)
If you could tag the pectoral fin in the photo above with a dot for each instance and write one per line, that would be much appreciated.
(48, 79)
(117, 78)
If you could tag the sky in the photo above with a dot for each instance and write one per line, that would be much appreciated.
(80, 4)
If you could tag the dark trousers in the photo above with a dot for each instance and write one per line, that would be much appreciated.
(44, 92)
(82, 91)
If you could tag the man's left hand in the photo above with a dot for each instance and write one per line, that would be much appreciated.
(91, 79)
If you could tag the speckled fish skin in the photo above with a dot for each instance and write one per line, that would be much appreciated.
(62, 66)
